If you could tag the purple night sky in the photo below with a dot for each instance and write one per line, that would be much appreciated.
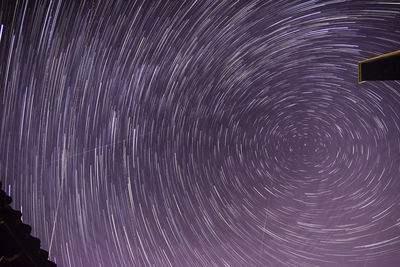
(202, 133)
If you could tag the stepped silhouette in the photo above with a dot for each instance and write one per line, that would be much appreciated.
(17, 246)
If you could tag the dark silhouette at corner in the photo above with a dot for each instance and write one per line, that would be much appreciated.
(17, 246)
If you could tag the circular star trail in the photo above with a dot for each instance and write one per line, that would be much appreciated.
(202, 133)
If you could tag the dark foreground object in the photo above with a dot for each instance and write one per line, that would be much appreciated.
(385, 67)
(17, 246)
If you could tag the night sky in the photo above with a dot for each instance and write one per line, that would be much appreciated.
(202, 133)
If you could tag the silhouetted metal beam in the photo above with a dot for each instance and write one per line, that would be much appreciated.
(385, 67)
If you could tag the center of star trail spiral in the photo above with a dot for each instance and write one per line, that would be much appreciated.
(202, 133)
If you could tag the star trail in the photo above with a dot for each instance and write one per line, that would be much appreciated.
(202, 133)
